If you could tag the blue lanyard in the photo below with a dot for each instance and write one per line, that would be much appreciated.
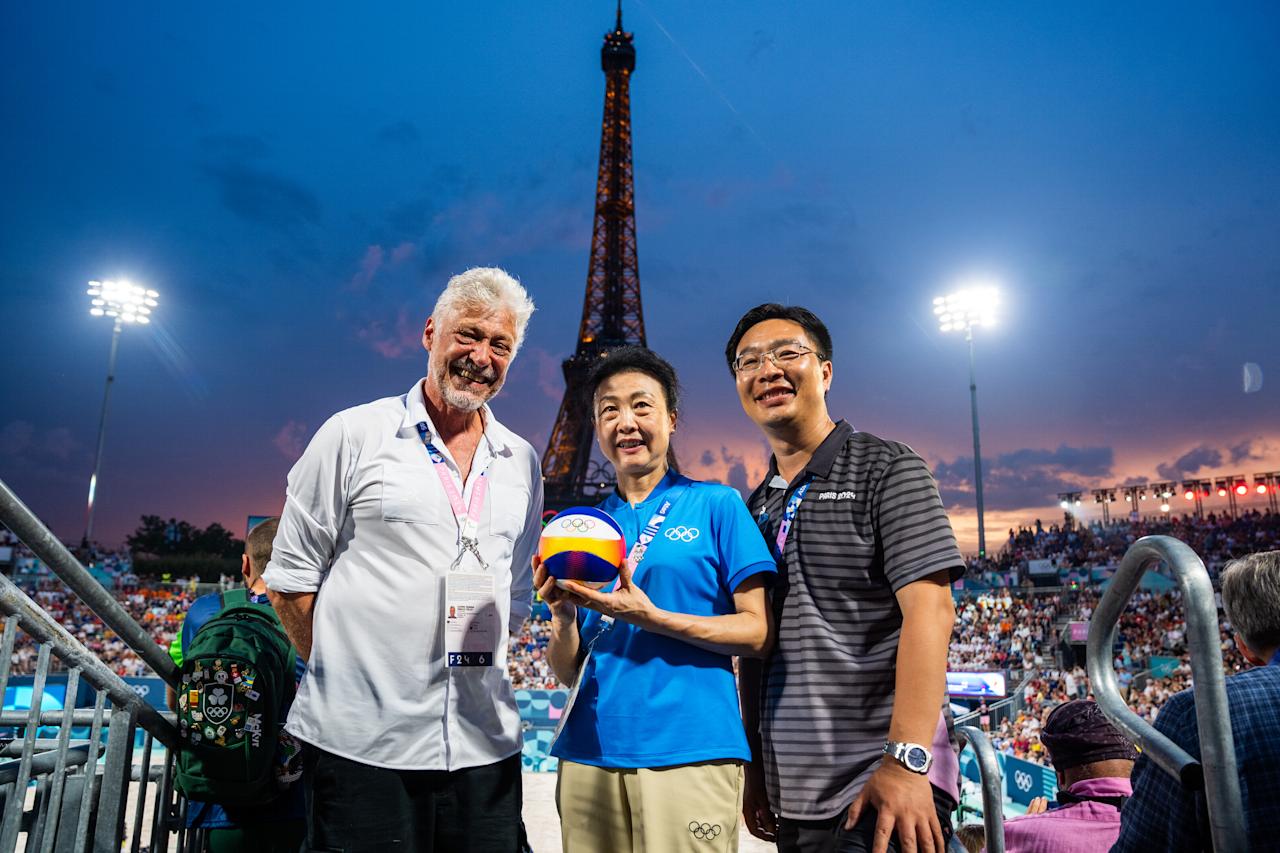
(641, 545)
(788, 516)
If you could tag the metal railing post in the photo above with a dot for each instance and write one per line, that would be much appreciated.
(114, 790)
(1216, 771)
(992, 790)
(22, 521)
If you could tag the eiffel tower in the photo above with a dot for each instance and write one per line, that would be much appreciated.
(611, 314)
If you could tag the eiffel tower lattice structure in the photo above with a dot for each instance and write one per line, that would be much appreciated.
(611, 314)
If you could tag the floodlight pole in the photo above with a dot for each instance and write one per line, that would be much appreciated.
(102, 429)
(977, 451)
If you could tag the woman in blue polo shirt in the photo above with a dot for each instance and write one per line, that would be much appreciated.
(651, 751)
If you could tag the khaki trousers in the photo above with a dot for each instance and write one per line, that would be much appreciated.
(692, 808)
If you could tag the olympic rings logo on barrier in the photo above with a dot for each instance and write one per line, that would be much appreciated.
(704, 831)
(1023, 780)
(578, 524)
(682, 533)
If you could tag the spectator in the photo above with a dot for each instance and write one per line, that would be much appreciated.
(1163, 815)
(275, 826)
(1092, 761)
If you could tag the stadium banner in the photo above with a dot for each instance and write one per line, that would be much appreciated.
(254, 521)
(151, 689)
(1024, 781)
(1163, 667)
(985, 685)
(540, 711)
(1041, 567)
(1078, 631)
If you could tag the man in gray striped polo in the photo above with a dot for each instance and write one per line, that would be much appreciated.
(847, 718)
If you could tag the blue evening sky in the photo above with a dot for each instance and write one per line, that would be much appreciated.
(299, 181)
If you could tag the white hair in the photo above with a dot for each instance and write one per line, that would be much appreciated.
(487, 289)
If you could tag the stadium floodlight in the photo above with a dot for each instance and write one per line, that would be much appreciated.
(126, 304)
(963, 311)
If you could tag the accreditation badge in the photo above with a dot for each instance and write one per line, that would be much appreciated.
(471, 623)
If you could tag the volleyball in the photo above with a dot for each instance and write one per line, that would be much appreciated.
(583, 545)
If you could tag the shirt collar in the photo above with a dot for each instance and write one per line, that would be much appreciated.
(1103, 786)
(415, 412)
(819, 464)
(616, 500)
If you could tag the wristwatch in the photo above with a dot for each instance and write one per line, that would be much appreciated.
(913, 756)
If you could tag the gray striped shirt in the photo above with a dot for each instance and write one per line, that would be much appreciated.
(870, 523)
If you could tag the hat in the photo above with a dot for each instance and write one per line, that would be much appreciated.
(1077, 732)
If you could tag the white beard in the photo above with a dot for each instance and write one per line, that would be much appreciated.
(463, 401)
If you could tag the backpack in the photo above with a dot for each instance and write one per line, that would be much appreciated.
(237, 682)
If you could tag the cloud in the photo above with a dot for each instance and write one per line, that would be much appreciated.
(291, 440)
(234, 146)
(1190, 462)
(394, 343)
(403, 252)
(761, 42)
(1251, 450)
(16, 438)
(403, 132)
(369, 266)
(1024, 478)
(259, 196)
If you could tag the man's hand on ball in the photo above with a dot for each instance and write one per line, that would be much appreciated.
(558, 599)
(626, 603)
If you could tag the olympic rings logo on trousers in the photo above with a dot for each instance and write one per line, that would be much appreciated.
(705, 831)
(682, 533)
(578, 525)
(1023, 780)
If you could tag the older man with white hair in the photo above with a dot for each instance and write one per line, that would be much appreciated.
(401, 564)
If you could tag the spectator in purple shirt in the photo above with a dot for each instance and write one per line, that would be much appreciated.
(1093, 762)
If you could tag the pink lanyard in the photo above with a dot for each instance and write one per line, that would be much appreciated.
(467, 516)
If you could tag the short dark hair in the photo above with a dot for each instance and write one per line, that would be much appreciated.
(640, 360)
(258, 545)
(803, 317)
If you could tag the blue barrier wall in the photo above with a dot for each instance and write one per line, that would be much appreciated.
(1023, 780)
(540, 711)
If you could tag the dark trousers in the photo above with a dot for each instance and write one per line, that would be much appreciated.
(830, 836)
(353, 807)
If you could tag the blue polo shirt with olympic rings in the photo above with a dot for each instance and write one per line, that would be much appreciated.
(653, 701)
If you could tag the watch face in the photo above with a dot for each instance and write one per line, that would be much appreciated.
(916, 757)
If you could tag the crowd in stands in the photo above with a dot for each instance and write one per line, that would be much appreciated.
(1217, 538)
(1010, 627)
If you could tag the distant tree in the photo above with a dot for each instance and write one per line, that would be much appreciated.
(161, 537)
(216, 539)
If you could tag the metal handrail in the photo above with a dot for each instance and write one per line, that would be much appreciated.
(23, 522)
(1216, 771)
(992, 794)
(43, 628)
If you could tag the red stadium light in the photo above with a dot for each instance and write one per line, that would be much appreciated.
(1242, 489)
(1262, 488)
(1190, 494)
(1222, 493)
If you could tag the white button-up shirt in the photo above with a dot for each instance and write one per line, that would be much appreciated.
(367, 525)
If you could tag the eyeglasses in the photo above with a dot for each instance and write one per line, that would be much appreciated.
(780, 356)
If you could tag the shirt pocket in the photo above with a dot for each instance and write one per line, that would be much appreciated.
(508, 508)
(407, 495)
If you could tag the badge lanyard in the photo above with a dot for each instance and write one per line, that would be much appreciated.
(467, 516)
(788, 515)
(638, 549)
